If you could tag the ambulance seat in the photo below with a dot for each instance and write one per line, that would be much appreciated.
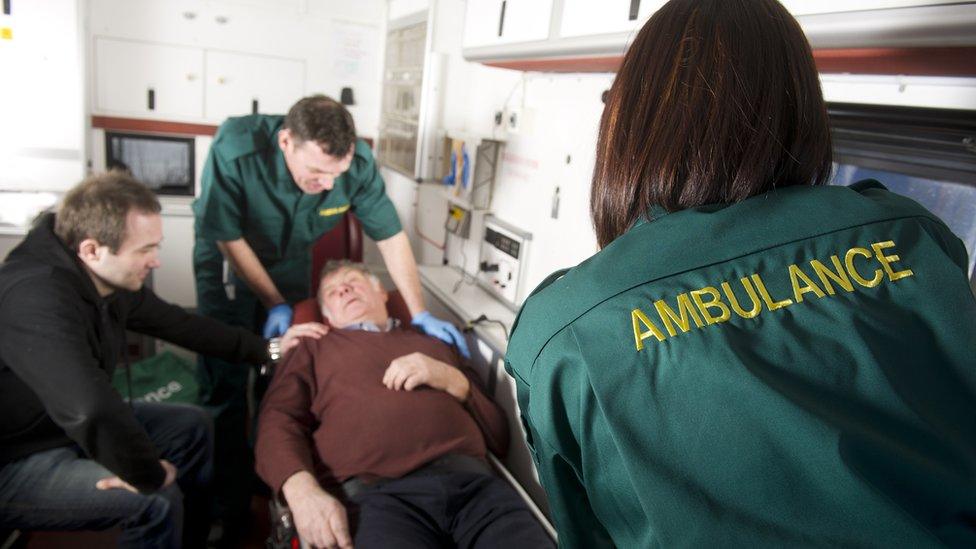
(344, 241)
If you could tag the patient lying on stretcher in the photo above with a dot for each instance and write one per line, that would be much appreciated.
(378, 435)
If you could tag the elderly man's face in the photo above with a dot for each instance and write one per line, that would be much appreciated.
(348, 296)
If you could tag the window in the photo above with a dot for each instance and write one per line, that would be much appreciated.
(928, 155)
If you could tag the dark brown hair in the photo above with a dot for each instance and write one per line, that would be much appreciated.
(324, 121)
(98, 206)
(715, 101)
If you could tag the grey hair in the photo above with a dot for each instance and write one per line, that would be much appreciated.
(335, 265)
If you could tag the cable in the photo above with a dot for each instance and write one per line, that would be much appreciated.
(483, 318)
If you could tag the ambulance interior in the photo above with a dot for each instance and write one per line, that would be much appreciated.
(482, 115)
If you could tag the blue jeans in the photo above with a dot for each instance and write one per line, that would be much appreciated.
(55, 489)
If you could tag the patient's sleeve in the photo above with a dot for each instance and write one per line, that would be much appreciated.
(285, 424)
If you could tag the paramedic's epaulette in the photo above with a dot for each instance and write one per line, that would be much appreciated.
(240, 136)
(664, 247)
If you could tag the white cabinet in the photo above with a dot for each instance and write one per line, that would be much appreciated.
(496, 22)
(151, 80)
(811, 7)
(42, 110)
(239, 84)
(585, 17)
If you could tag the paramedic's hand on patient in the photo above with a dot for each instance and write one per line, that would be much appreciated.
(442, 330)
(319, 518)
(411, 371)
(279, 319)
(115, 482)
(313, 330)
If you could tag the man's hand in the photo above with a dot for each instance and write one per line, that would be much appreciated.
(313, 330)
(115, 482)
(319, 518)
(279, 319)
(411, 371)
(442, 330)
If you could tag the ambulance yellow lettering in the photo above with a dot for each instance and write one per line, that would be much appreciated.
(838, 275)
(714, 303)
(670, 318)
(849, 263)
(756, 304)
(768, 299)
(640, 319)
(887, 260)
(707, 302)
(802, 284)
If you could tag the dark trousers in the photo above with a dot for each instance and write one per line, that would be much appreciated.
(444, 509)
(55, 489)
(223, 393)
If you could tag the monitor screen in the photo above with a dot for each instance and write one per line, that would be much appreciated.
(954, 203)
(164, 164)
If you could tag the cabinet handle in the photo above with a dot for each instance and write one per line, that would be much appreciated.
(501, 18)
(151, 99)
(254, 106)
(221, 80)
(191, 77)
(634, 10)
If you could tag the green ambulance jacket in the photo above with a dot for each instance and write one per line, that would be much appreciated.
(797, 369)
(248, 192)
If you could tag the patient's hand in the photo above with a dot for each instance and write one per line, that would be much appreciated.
(411, 371)
(313, 330)
(319, 518)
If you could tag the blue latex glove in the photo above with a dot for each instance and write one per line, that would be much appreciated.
(279, 320)
(442, 330)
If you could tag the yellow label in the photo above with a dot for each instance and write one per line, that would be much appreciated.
(708, 300)
(7, 33)
(328, 212)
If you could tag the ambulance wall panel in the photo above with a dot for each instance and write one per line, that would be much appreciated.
(42, 96)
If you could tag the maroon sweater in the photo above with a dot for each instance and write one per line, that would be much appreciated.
(327, 412)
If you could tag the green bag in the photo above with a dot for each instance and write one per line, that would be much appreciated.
(165, 377)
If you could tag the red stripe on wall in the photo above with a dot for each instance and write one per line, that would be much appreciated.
(151, 126)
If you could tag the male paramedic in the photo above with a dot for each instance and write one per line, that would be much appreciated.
(271, 186)
(73, 454)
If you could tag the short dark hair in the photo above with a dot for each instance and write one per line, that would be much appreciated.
(98, 206)
(324, 121)
(715, 101)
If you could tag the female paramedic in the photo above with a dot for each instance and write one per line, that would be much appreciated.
(753, 358)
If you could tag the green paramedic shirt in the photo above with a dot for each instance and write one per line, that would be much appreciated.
(248, 192)
(797, 369)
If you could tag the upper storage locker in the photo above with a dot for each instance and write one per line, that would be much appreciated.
(586, 35)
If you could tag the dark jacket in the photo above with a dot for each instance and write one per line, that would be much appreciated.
(59, 344)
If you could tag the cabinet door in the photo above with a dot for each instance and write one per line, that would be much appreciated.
(237, 83)
(809, 7)
(493, 22)
(585, 17)
(148, 79)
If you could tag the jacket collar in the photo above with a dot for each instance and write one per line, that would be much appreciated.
(43, 246)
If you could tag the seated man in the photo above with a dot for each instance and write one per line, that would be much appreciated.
(394, 426)
(73, 454)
